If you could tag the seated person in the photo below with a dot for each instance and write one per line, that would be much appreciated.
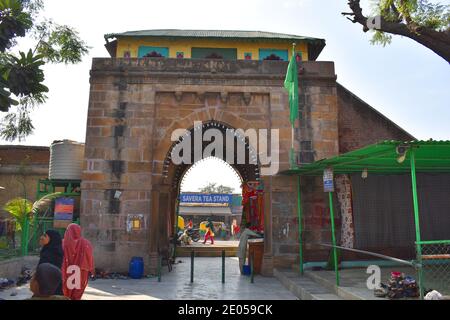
(242, 252)
(185, 238)
(45, 282)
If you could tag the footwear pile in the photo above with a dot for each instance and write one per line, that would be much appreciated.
(24, 277)
(399, 286)
(6, 284)
(102, 274)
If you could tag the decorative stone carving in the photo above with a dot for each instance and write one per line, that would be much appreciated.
(178, 96)
(224, 97)
(201, 96)
(247, 97)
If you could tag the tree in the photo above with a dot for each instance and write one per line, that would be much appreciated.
(214, 188)
(224, 189)
(420, 20)
(21, 74)
(18, 209)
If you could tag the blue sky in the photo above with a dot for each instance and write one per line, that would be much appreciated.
(405, 81)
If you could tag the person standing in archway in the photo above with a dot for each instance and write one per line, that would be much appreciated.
(209, 231)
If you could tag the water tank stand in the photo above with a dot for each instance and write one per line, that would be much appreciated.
(70, 187)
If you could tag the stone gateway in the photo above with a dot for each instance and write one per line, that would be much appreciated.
(136, 103)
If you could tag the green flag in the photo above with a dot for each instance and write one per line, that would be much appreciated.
(291, 85)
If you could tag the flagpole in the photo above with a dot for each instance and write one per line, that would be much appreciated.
(292, 155)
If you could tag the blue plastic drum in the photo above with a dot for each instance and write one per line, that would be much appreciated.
(136, 270)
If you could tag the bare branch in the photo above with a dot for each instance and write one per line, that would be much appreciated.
(437, 41)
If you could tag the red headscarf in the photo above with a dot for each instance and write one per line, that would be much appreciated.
(77, 250)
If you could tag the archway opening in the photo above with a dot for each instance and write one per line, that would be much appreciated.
(211, 189)
(192, 197)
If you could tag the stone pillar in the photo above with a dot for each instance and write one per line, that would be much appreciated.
(153, 229)
(267, 265)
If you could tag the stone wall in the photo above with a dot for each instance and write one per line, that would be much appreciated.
(12, 268)
(135, 104)
(20, 169)
(361, 125)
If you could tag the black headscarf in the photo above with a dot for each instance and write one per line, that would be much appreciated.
(49, 279)
(53, 251)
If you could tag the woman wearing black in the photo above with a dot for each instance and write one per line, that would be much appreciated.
(52, 251)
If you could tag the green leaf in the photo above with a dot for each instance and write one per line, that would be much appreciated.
(18, 209)
(381, 38)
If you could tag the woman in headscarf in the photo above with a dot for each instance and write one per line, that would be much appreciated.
(77, 252)
(52, 252)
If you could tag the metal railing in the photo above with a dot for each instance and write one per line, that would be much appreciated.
(432, 264)
(223, 269)
(434, 261)
(25, 242)
(412, 263)
(10, 239)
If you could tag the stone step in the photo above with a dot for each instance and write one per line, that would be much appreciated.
(207, 251)
(303, 287)
(346, 293)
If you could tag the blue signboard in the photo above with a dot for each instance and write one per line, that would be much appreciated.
(328, 183)
(206, 198)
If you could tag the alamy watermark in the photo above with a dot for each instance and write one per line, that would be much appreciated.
(74, 280)
(252, 146)
(374, 280)
(374, 23)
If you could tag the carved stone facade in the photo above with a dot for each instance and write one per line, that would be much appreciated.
(136, 104)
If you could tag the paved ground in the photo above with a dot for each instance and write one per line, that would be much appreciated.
(176, 285)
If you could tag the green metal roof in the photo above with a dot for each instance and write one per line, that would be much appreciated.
(232, 34)
(381, 158)
(316, 44)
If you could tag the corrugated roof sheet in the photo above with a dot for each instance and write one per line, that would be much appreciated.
(232, 34)
(430, 156)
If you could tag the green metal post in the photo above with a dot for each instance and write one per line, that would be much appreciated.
(417, 220)
(176, 227)
(25, 235)
(333, 235)
(192, 266)
(300, 226)
(223, 266)
(34, 232)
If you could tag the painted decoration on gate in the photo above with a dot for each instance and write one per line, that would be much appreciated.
(64, 208)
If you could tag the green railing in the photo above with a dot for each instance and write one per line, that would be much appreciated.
(434, 265)
(34, 228)
(10, 243)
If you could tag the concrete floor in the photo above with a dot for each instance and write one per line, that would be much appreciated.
(176, 285)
